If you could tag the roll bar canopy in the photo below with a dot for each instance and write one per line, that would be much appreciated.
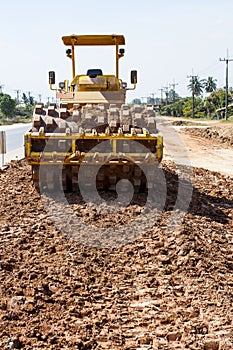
(93, 40)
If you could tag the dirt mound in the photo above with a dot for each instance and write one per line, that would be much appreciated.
(221, 134)
(184, 123)
(169, 289)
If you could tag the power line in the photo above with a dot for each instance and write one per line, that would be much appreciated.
(226, 97)
(13, 91)
(173, 85)
(210, 69)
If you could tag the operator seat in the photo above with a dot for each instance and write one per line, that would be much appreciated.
(92, 73)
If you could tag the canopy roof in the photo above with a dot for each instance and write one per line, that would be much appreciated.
(93, 40)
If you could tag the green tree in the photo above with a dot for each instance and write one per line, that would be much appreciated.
(31, 100)
(209, 106)
(173, 96)
(196, 85)
(150, 100)
(178, 107)
(217, 98)
(137, 101)
(210, 84)
(25, 98)
(166, 110)
(174, 109)
(199, 109)
(7, 105)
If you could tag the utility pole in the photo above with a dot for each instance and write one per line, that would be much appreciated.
(226, 97)
(39, 95)
(161, 99)
(153, 96)
(193, 77)
(166, 93)
(29, 96)
(173, 85)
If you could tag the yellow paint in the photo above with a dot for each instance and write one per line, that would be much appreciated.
(93, 40)
(83, 83)
(27, 144)
(103, 136)
(159, 147)
(73, 145)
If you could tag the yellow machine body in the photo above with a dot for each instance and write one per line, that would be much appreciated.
(91, 111)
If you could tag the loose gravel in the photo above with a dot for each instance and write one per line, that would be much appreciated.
(168, 289)
(221, 134)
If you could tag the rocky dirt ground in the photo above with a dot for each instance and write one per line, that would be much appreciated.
(168, 289)
(217, 131)
(221, 134)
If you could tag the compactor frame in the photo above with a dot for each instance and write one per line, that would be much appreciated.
(94, 127)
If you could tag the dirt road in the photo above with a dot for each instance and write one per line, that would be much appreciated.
(187, 148)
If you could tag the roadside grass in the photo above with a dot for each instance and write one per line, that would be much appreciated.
(228, 121)
(17, 119)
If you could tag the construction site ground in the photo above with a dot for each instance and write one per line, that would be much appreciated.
(200, 143)
(170, 288)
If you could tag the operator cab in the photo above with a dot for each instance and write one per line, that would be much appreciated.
(92, 73)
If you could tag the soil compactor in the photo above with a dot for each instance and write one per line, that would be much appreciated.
(93, 128)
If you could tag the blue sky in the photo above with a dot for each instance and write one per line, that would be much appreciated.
(165, 41)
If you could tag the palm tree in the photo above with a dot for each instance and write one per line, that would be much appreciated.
(210, 84)
(196, 86)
